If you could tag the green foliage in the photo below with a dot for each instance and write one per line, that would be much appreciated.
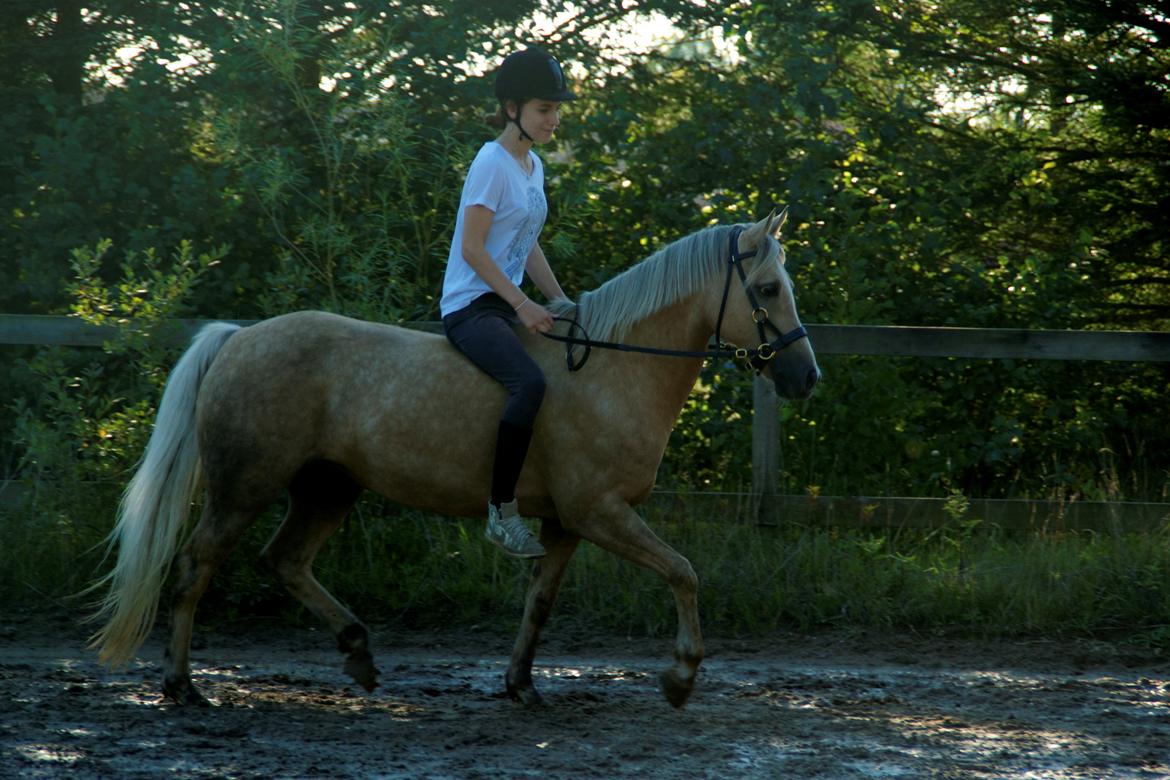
(993, 164)
(92, 417)
(89, 422)
(711, 447)
(356, 196)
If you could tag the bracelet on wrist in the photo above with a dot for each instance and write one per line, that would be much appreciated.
(520, 306)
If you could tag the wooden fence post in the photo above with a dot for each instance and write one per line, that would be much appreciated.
(765, 449)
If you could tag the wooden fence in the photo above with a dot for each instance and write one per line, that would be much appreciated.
(764, 502)
(891, 340)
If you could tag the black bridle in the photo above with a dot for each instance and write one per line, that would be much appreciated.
(757, 358)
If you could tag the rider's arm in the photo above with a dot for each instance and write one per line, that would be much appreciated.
(477, 221)
(541, 273)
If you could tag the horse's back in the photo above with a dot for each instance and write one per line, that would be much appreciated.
(396, 407)
(295, 348)
(318, 330)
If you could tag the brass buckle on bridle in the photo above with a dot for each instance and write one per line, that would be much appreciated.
(759, 315)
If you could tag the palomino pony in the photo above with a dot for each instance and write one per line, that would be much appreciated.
(320, 407)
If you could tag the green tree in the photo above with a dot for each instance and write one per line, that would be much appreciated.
(953, 163)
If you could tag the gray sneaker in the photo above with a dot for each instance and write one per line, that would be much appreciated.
(507, 531)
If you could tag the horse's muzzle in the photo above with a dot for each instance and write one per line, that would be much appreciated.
(795, 383)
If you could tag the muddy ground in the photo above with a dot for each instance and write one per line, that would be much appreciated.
(829, 706)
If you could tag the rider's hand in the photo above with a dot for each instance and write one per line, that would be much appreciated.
(534, 316)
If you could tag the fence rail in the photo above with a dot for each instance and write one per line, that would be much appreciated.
(764, 502)
(890, 340)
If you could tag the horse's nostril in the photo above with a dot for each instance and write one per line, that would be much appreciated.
(814, 376)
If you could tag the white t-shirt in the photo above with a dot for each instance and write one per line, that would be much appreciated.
(496, 181)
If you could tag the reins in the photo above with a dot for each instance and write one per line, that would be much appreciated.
(756, 358)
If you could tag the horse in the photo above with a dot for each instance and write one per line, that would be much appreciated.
(320, 407)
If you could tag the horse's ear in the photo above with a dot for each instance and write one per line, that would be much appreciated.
(777, 222)
(755, 234)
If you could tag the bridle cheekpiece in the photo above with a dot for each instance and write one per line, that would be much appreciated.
(757, 358)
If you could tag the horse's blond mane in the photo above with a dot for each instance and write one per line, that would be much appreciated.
(672, 273)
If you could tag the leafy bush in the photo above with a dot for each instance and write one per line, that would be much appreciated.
(323, 147)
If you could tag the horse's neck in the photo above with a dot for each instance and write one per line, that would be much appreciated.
(679, 326)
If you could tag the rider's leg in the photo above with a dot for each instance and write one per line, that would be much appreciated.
(485, 334)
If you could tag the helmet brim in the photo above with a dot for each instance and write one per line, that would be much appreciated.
(558, 97)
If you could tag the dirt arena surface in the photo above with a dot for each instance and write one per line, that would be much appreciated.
(829, 706)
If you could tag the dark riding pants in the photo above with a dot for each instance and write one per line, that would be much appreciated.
(483, 331)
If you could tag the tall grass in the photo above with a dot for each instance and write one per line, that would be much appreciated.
(959, 580)
(418, 570)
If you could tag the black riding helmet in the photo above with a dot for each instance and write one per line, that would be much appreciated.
(531, 74)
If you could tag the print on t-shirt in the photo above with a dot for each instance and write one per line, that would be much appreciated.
(517, 253)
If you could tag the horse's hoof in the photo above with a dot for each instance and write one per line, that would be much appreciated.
(524, 694)
(183, 693)
(676, 689)
(360, 666)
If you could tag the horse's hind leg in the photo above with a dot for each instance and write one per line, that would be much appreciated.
(209, 544)
(559, 546)
(616, 527)
(321, 496)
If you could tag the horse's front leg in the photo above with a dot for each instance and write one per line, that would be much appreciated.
(615, 526)
(547, 573)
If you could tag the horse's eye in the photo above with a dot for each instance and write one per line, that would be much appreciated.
(769, 290)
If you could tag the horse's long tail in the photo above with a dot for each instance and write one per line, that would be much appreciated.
(155, 507)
